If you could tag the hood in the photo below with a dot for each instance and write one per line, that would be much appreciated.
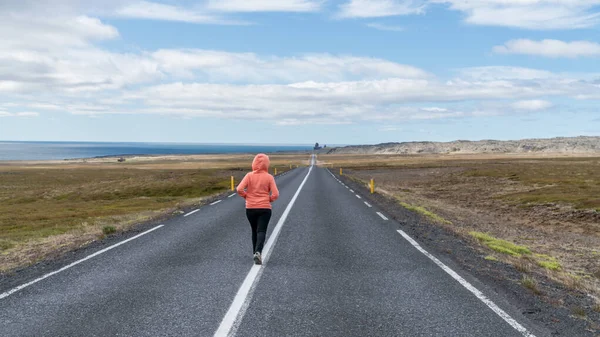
(260, 163)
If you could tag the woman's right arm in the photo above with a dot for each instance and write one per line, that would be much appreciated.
(241, 189)
(274, 190)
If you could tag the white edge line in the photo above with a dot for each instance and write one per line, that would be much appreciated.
(352, 191)
(382, 216)
(192, 212)
(366, 203)
(232, 195)
(14, 290)
(237, 310)
(216, 202)
(470, 287)
(358, 196)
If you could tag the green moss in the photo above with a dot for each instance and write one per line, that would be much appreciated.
(491, 258)
(499, 245)
(548, 262)
(425, 212)
(552, 265)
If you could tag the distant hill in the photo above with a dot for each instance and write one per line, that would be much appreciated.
(582, 145)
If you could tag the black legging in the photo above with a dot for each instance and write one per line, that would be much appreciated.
(259, 221)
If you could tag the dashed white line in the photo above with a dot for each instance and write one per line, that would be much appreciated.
(369, 205)
(382, 216)
(192, 212)
(14, 290)
(232, 195)
(352, 191)
(237, 310)
(506, 317)
(216, 202)
(358, 196)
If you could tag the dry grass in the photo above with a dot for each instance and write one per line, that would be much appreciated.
(547, 203)
(531, 284)
(49, 208)
(522, 265)
(579, 312)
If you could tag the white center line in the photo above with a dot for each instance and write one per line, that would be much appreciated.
(232, 195)
(369, 205)
(358, 196)
(192, 212)
(506, 317)
(382, 216)
(237, 310)
(14, 290)
(216, 202)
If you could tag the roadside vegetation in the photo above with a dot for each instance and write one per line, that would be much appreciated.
(49, 208)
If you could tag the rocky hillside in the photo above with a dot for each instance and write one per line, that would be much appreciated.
(582, 145)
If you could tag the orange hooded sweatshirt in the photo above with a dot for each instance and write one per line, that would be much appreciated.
(258, 187)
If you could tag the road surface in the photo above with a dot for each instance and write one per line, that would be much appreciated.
(334, 266)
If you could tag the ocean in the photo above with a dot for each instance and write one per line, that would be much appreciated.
(10, 150)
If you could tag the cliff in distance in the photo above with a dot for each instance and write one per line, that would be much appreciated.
(574, 145)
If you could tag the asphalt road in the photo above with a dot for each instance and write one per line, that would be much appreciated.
(337, 268)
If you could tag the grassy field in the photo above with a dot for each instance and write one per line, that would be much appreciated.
(49, 208)
(540, 213)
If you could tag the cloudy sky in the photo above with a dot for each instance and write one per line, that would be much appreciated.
(298, 71)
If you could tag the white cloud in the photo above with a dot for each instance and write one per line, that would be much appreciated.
(248, 67)
(496, 73)
(380, 8)
(27, 114)
(382, 100)
(212, 12)
(384, 27)
(532, 105)
(434, 109)
(42, 33)
(54, 64)
(158, 11)
(529, 14)
(265, 5)
(550, 48)
(390, 128)
(342, 102)
(18, 114)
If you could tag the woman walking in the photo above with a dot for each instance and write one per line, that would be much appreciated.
(259, 189)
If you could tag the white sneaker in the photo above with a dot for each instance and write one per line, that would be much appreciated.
(257, 258)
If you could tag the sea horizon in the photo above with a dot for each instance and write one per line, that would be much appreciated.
(11, 150)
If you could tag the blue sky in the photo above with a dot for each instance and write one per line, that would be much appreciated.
(299, 71)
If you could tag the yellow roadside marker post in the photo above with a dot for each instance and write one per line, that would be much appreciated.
(372, 186)
(276, 171)
(232, 184)
(341, 173)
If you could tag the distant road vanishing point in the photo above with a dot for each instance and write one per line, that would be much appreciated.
(334, 265)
